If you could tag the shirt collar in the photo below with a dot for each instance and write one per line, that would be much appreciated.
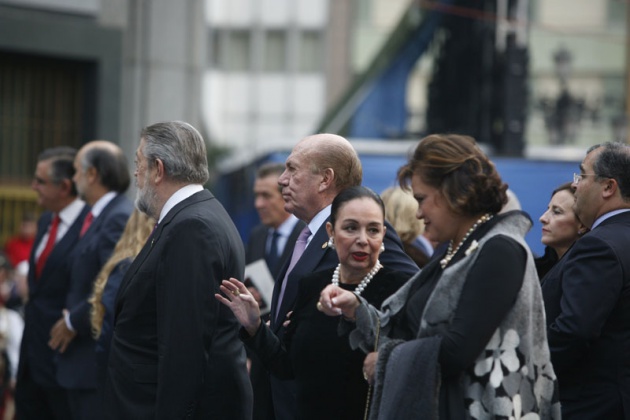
(179, 196)
(287, 226)
(608, 215)
(70, 213)
(317, 222)
(102, 202)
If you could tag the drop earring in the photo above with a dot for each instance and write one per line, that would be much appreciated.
(331, 243)
(382, 249)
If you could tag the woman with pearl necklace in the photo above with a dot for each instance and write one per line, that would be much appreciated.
(328, 373)
(465, 337)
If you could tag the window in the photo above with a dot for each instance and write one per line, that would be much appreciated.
(310, 52)
(231, 50)
(275, 54)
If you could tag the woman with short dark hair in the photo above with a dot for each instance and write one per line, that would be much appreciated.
(327, 372)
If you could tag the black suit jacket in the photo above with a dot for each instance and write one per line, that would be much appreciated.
(77, 365)
(257, 244)
(587, 304)
(175, 351)
(319, 256)
(47, 298)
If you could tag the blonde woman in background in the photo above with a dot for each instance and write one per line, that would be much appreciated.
(400, 210)
(133, 238)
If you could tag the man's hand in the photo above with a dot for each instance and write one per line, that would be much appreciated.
(60, 335)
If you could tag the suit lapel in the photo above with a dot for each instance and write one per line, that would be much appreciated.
(42, 227)
(308, 263)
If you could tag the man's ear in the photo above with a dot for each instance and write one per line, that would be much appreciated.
(159, 171)
(328, 179)
(65, 186)
(91, 174)
(610, 188)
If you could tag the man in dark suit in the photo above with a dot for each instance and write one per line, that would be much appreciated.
(317, 169)
(102, 177)
(38, 394)
(587, 293)
(273, 241)
(175, 351)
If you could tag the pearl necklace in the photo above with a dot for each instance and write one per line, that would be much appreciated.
(450, 253)
(366, 280)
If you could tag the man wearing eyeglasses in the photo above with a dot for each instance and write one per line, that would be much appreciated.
(587, 294)
(38, 393)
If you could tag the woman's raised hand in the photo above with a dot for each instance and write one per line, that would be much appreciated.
(335, 301)
(242, 304)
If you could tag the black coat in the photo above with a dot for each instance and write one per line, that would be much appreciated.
(175, 352)
(587, 305)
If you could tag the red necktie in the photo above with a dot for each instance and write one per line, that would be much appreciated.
(86, 223)
(50, 244)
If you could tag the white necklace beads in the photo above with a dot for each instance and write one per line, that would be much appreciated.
(363, 284)
(450, 253)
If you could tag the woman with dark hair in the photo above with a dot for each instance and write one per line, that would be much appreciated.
(465, 337)
(561, 228)
(327, 372)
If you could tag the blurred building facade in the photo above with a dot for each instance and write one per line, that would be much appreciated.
(256, 75)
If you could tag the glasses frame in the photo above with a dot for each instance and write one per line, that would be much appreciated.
(578, 177)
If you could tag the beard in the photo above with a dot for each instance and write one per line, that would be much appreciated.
(146, 199)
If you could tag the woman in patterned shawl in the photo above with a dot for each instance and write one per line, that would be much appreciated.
(465, 337)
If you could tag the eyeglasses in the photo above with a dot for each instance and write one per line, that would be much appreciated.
(578, 177)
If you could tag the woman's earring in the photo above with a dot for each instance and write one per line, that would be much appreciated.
(331, 243)
(382, 248)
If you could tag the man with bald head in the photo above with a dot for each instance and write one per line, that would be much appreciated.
(318, 168)
(101, 177)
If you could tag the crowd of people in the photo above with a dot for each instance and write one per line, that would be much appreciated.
(422, 302)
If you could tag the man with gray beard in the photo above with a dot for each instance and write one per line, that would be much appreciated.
(175, 351)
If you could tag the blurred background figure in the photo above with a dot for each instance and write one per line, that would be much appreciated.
(20, 282)
(101, 178)
(11, 329)
(400, 210)
(12, 287)
(272, 240)
(106, 285)
(561, 228)
(18, 247)
(38, 394)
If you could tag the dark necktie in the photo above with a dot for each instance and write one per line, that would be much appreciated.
(272, 256)
(86, 223)
(298, 250)
(50, 244)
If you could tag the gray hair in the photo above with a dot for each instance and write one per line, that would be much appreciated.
(181, 149)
